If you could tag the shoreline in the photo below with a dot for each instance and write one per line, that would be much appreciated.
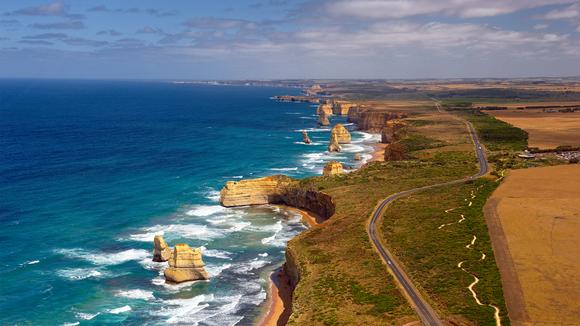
(279, 299)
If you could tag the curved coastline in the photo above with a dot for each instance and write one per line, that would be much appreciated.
(278, 307)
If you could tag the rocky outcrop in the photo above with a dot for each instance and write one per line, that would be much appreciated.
(324, 108)
(341, 108)
(298, 99)
(334, 146)
(357, 157)
(185, 264)
(371, 121)
(305, 137)
(314, 90)
(395, 152)
(254, 191)
(393, 131)
(341, 133)
(278, 189)
(161, 251)
(332, 168)
(323, 119)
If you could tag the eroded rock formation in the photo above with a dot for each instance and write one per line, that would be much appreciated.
(305, 137)
(314, 90)
(334, 146)
(185, 264)
(332, 168)
(341, 108)
(277, 189)
(324, 108)
(161, 251)
(371, 121)
(323, 119)
(341, 133)
(393, 131)
(357, 157)
(254, 191)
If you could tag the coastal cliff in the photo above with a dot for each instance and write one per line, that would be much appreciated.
(277, 189)
(370, 121)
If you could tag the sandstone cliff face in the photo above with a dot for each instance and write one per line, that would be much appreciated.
(291, 268)
(254, 191)
(371, 121)
(323, 119)
(324, 108)
(305, 138)
(341, 133)
(276, 190)
(332, 168)
(393, 131)
(185, 264)
(161, 251)
(334, 146)
(341, 108)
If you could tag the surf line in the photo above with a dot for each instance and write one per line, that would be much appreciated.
(469, 246)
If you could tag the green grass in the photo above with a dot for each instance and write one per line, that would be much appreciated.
(496, 134)
(430, 255)
(416, 142)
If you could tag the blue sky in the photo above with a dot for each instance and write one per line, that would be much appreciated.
(268, 39)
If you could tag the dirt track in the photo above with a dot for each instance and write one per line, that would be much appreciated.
(534, 222)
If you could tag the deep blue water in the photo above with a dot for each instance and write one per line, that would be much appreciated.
(90, 171)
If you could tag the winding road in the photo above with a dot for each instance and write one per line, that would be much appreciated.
(427, 315)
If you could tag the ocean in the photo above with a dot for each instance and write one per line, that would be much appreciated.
(90, 171)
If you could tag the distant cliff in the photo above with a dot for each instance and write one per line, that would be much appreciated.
(371, 121)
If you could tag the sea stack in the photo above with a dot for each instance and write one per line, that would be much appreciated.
(185, 265)
(324, 108)
(161, 251)
(357, 157)
(342, 134)
(305, 137)
(341, 108)
(332, 168)
(323, 119)
(334, 146)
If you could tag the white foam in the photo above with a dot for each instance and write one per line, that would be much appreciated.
(32, 262)
(205, 210)
(284, 169)
(313, 130)
(251, 265)
(213, 195)
(105, 258)
(119, 310)
(238, 226)
(136, 294)
(77, 274)
(149, 264)
(265, 254)
(194, 231)
(216, 270)
(196, 310)
(71, 324)
(221, 254)
(86, 316)
(180, 309)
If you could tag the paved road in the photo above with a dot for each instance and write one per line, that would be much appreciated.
(426, 313)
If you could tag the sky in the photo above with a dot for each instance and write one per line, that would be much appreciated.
(281, 39)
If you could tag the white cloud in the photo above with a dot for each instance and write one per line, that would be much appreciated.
(378, 9)
(541, 26)
(570, 12)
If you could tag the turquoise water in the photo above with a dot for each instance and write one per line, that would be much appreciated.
(90, 171)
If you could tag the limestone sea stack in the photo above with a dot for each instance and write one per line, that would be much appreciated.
(323, 119)
(334, 145)
(185, 264)
(161, 251)
(324, 108)
(342, 134)
(305, 137)
(357, 157)
(332, 168)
